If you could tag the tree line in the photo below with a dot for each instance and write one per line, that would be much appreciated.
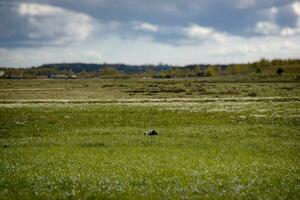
(81, 70)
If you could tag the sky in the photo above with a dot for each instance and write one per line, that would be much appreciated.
(176, 32)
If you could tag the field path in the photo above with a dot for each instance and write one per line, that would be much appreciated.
(169, 100)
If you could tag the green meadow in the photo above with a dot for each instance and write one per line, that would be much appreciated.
(83, 139)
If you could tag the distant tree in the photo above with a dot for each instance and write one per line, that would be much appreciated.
(172, 72)
(179, 72)
(276, 62)
(230, 69)
(83, 73)
(197, 70)
(210, 71)
(149, 72)
(264, 62)
(279, 71)
(70, 72)
(110, 72)
(235, 69)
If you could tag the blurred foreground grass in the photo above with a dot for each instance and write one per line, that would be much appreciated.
(219, 150)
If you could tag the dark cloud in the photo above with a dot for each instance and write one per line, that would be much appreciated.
(63, 23)
(232, 16)
(286, 16)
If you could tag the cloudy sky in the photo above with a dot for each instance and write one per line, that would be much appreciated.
(33, 32)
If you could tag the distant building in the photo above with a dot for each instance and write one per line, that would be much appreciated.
(53, 76)
(73, 76)
(62, 76)
(2, 73)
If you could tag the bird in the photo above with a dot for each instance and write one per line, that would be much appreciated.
(151, 132)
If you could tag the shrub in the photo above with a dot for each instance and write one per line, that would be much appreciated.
(210, 72)
(279, 71)
(258, 70)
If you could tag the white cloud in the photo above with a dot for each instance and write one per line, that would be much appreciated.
(146, 50)
(266, 28)
(198, 31)
(271, 28)
(143, 26)
(203, 33)
(35, 9)
(288, 31)
(54, 24)
(33, 56)
(274, 10)
(296, 7)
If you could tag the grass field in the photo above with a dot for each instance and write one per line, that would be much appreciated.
(218, 139)
(215, 87)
